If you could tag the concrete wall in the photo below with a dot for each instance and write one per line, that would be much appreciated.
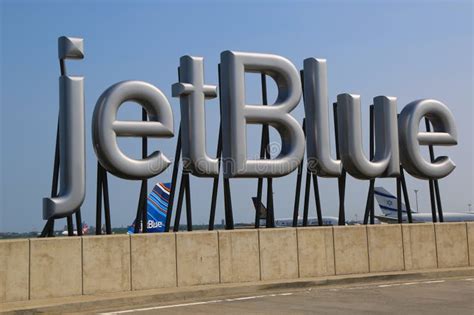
(385, 248)
(419, 246)
(239, 256)
(153, 261)
(451, 245)
(278, 254)
(316, 251)
(197, 258)
(14, 270)
(60, 267)
(351, 253)
(55, 267)
(106, 264)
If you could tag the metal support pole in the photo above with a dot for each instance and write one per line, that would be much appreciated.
(341, 181)
(215, 184)
(70, 226)
(79, 222)
(174, 178)
(318, 200)
(189, 221)
(405, 195)
(98, 201)
(435, 181)
(51, 228)
(399, 201)
(139, 217)
(431, 182)
(260, 181)
(432, 201)
(229, 217)
(299, 177)
(265, 141)
(179, 206)
(306, 198)
(105, 193)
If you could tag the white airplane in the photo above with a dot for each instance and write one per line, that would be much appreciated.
(85, 230)
(388, 205)
(287, 222)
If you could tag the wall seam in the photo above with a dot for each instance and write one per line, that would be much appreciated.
(436, 244)
(297, 252)
(334, 249)
(468, 253)
(29, 269)
(368, 250)
(176, 255)
(259, 256)
(219, 254)
(131, 262)
(82, 265)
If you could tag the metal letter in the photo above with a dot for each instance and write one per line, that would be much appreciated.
(411, 138)
(386, 161)
(317, 124)
(192, 93)
(236, 114)
(105, 129)
(72, 190)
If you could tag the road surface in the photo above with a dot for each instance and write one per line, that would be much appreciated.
(441, 296)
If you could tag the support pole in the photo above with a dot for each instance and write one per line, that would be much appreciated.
(189, 221)
(399, 201)
(174, 178)
(299, 177)
(229, 218)
(317, 200)
(434, 181)
(79, 223)
(270, 220)
(342, 179)
(105, 193)
(98, 201)
(431, 181)
(179, 206)
(70, 226)
(215, 184)
(405, 195)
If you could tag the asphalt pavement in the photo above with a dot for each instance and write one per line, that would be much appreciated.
(440, 296)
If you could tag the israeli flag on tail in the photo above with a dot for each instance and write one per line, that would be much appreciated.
(387, 202)
(157, 207)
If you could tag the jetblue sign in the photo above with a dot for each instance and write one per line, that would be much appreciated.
(397, 139)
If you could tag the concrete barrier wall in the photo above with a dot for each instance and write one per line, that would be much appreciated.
(60, 267)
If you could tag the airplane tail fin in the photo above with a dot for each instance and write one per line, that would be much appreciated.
(157, 208)
(263, 209)
(387, 202)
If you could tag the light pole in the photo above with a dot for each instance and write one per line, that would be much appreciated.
(416, 198)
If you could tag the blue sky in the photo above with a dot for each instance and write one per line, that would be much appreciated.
(406, 49)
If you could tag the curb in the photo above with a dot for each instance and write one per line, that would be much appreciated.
(123, 299)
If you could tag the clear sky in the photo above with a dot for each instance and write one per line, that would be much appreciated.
(406, 49)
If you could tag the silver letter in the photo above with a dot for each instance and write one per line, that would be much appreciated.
(105, 128)
(317, 125)
(236, 114)
(192, 92)
(386, 160)
(411, 138)
(72, 190)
